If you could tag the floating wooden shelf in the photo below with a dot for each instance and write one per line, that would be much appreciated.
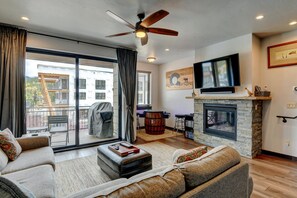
(229, 98)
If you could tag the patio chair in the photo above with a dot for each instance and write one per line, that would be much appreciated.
(58, 124)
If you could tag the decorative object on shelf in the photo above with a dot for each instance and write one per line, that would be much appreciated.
(259, 92)
(284, 54)
(249, 92)
(286, 117)
(180, 79)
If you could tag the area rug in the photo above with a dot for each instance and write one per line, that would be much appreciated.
(75, 175)
(147, 137)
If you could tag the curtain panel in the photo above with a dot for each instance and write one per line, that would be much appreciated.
(127, 60)
(12, 79)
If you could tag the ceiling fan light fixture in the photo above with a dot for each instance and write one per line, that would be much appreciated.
(151, 59)
(140, 33)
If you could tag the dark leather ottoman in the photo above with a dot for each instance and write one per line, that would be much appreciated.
(116, 166)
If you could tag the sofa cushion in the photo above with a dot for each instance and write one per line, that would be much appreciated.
(190, 155)
(31, 158)
(9, 145)
(166, 183)
(209, 165)
(12, 189)
(96, 189)
(34, 142)
(39, 180)
(3, 160)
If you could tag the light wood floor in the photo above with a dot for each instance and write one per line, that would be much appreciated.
(272, 176)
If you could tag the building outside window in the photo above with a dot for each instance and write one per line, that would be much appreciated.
(82, 84)
(143, 87)
(100, 96)
(100, 84)
(82, 95)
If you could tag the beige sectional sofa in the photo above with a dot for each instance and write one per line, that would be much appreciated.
(33, 169)
(218, 173)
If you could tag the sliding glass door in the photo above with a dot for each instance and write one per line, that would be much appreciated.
(49, 81)
(71, 98)
(97, 101)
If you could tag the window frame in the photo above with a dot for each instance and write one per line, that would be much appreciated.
(77, 57)
(149, 86)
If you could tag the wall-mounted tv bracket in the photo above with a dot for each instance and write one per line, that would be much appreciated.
(286, 117)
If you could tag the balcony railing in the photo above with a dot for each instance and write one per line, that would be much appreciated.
(38, 116)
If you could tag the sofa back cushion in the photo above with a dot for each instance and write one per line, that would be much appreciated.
(168, 182)
(3, 160)
(10, 188)
(208, 166)
(9, 144)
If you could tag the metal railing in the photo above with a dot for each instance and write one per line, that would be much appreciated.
(38, 116)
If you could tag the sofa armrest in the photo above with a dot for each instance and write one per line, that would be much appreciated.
(28, 143)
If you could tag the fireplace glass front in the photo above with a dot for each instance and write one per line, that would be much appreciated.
(220, 120)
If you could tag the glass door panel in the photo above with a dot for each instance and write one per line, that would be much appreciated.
(50, 101)
(98, 101)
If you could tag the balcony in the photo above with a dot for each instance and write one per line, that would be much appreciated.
(37, 121)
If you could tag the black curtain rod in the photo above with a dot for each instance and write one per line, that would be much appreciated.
(68, 39)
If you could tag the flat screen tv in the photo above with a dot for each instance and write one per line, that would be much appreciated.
(218, 75)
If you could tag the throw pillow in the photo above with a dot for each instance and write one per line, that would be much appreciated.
(191, 154)
(9, 144)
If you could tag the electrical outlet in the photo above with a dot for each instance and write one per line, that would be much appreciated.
(291, 106)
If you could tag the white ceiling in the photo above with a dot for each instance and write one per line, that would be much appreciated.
(199, 22)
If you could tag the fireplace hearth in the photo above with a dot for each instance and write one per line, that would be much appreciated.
(220, 120)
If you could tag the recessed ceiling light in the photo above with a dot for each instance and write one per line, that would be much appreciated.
(167, 50)
(151, 59)
(293, 23)
(259, 17)
(25, 18)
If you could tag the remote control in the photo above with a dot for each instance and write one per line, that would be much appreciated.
(34, 134)
(126, 144)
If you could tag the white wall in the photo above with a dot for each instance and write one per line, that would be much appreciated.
(173, 101)
(50, 43)
(280, 81)
(241, 45)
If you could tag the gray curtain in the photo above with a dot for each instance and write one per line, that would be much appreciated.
(12, 79)
(127, 60)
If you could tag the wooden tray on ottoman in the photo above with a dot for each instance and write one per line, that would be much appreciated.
(123, 151)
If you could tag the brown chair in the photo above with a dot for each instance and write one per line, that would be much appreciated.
(154, 122)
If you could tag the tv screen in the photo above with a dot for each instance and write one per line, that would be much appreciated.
(218, 73)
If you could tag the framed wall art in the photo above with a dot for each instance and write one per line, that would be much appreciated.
(180, 79)
(284, 54)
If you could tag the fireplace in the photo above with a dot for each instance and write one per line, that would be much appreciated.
(220, 120)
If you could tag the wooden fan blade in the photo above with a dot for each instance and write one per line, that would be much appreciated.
(153, 18)
(144, 40)
(120, 34)
(162, 31)
(119, 19)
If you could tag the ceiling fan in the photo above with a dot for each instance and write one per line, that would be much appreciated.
(142, 27)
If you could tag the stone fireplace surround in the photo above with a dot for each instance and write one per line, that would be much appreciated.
(249, 123)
